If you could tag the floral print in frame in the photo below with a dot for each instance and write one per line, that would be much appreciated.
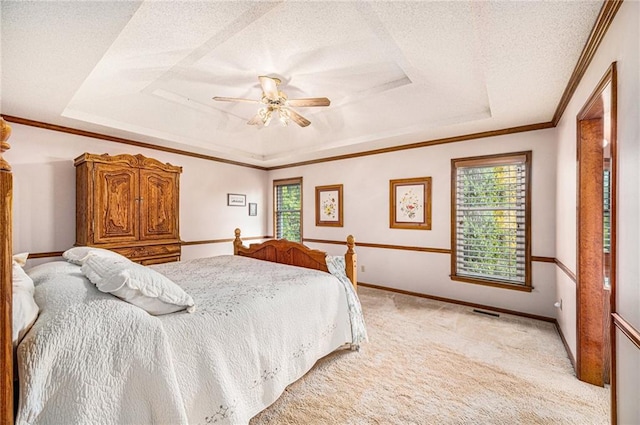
(329, 205)
(410, 203)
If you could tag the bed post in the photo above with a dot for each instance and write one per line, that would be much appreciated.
(351, 260)
(6, 288)
(237, 242)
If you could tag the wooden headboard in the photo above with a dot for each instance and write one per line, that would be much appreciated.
(6, 289)
(296, 254)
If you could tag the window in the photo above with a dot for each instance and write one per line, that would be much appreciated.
(287, 209)
(490, 215)
(606, 208)
(606, 222)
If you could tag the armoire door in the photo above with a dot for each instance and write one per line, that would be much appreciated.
(159, 200)
(116, 204)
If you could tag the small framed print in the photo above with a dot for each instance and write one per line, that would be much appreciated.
(236, 200)
(329, 205)
(253, 208)
(410, 203)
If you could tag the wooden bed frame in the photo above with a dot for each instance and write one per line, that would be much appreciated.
(280, 251)
(6, 290)
(296, 254)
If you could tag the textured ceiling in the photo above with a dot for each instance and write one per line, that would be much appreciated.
(396, 72)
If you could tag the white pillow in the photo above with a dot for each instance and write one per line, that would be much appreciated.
(20, 259)
(136, 284)
(77, 254)
(20, 279)
(25, 309)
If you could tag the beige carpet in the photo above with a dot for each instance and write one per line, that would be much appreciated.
(429, 362)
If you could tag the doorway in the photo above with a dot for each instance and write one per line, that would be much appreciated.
(596, 233)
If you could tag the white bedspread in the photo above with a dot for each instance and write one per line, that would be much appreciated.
(258, 326)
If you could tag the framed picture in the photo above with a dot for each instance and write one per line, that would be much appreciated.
(329, 205)
(410, 203)
(253, 208)
(236, 200)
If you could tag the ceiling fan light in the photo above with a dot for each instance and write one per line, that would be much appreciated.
(284, 116)
(265, 115)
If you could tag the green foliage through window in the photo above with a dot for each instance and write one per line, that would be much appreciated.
(490, 220)
(288, 213)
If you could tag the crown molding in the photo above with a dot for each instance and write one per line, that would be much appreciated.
(604, 20)
(454, 139)
(70, 130)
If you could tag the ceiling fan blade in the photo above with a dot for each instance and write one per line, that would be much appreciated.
(312, 101)
(256, 120)
(299, 119)
(269, 87)
(234, 99)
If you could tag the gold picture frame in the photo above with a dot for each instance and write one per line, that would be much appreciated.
(410, 203)
(329, 210)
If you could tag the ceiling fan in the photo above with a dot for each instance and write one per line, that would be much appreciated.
(275, 100)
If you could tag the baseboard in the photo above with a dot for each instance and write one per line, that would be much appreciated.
(566, 346)
(459, 302)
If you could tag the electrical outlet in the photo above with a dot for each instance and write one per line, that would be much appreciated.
(362, 269)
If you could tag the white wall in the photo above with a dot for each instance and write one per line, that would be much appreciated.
(44, 192)
(366, 216)
(621, 44)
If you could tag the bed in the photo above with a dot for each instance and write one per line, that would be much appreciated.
(254, 327)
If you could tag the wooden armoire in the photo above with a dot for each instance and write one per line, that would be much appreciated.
(128, 204)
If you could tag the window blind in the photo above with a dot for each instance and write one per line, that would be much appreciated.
(288, 211)
(606, 186)
(490, 221)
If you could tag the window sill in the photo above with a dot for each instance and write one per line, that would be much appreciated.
(496, 284)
